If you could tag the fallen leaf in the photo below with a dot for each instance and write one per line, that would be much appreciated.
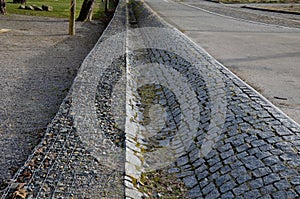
(21, 193)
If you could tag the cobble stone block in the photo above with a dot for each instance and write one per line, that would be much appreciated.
(295, 180)
(279, 195)
(242, 155)
(182, 161)
(225, 169)
(251, 162)
(202, 168)
(236, 164)
(216, 167)
(203, 182)
(276, 152)
(243, 178)
(265, 197)
(274, 140)
(238, 171)
(225, 147)
(190, 181)
(213, 194)
(202, 175)
(261, 155)
(258, 143)
(252, 194)
(227, 186)
(223, 179)
(209, 188)
(257, 183)
(240, 189)
(195, 192)
(261, 172)
(213, 161)
(227, 154)
(297, 188)
(242, 147)
(271, 178)
(227, 195)
(282, 185)
(271, 160)
(292, 194)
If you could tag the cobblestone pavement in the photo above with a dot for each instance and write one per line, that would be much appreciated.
(149, 102)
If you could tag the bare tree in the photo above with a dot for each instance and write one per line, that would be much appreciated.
(86, 11)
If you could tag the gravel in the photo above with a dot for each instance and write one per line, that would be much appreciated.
(39, 61)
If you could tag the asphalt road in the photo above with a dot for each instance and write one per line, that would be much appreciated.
(266, 56)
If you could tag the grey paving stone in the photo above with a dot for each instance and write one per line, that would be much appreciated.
(297, 188)
(203, 182)
(202, 168)
(295, 180)
(242, 147)
(190, 181)
(202, 175)
(251, 162)
(225, 169)
(243, 178)
(213, 194)
(216, 167)
(271, 178)
(279, 195)
(228, 195)
(195, 192)
(282, 185)
(261, 172)
(292, 194)
(238, 171)
(269, 189)
(240, 189)
(182, 161)
(209, 188)
(225, 147)
(226, 154)
(230, 160)
(223, 179)
(213, 160)
(271, 160)
(252, 194)
(257, 183)
(227, 186)
(265, 197)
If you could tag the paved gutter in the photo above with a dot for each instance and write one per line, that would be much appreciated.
(148, 100)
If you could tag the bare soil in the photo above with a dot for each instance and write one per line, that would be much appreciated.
(38, 62)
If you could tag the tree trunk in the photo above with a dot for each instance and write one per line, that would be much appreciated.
(2, 7)
(105, 6)
(86, 11)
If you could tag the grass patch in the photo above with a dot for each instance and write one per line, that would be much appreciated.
(61, 8)
(161, 184)
(259, 1)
